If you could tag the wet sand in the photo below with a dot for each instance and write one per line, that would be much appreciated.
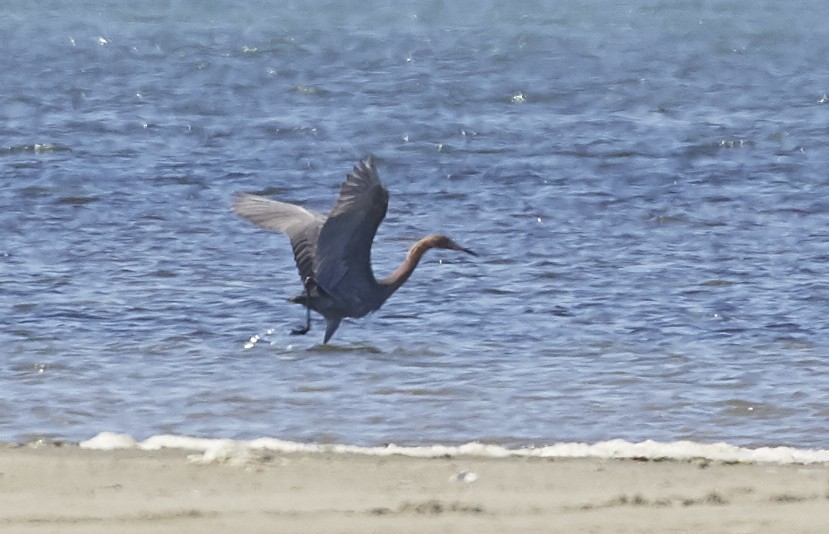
(70, 490)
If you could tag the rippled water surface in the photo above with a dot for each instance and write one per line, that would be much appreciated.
(646, 185)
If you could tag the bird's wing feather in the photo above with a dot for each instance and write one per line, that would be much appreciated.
(302, 226)
(343, 259)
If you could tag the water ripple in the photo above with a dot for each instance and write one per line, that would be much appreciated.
(652, 243)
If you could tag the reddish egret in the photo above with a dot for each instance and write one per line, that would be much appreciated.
(333, 253)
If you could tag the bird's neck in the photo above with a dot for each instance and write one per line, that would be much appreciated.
(392, 283)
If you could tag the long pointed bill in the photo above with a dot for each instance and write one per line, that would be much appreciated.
(456, 246)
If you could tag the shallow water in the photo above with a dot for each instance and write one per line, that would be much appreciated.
(645, 184)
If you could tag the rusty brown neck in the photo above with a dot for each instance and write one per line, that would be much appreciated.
(392, 283)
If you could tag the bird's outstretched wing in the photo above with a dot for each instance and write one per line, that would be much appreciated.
(302, 226)
(342, 264)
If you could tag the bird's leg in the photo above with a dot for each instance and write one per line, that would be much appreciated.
(302, 330)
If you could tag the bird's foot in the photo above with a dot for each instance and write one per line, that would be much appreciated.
(300, 331)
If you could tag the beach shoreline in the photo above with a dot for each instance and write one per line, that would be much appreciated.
(70, 489)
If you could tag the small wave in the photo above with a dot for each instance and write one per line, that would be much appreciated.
(76, 201)
(215, 450)
(35, 148)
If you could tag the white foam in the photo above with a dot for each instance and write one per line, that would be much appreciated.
(107, 441)
(223, 450)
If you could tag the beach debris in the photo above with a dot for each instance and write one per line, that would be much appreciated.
(226, 453)
(467, 477)
(437, 507)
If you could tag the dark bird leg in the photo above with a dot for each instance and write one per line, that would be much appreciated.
(331, 327)
(302, 330)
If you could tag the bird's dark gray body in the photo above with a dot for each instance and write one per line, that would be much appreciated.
(333, 253)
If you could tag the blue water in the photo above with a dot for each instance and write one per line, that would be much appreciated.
(646, 184)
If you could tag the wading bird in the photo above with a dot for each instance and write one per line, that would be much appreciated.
(333, 253)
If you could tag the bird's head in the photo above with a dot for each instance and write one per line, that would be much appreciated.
(442, 241)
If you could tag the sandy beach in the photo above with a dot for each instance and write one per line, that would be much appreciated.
(67, 489)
